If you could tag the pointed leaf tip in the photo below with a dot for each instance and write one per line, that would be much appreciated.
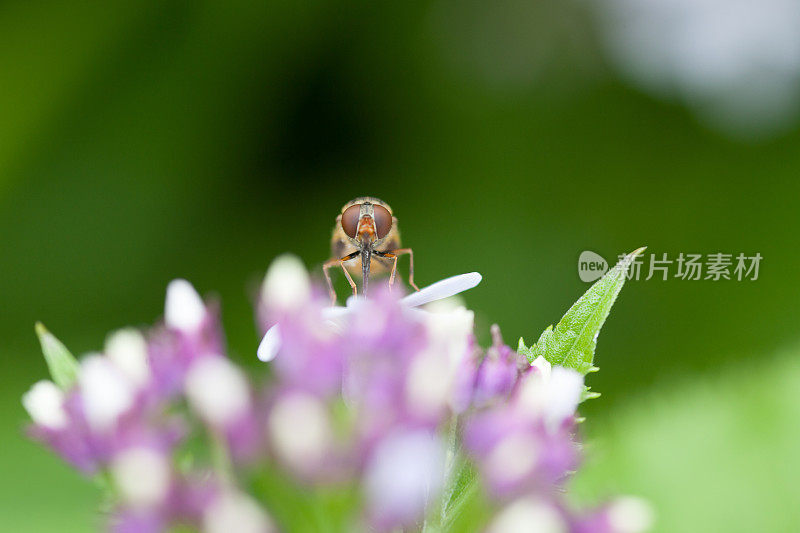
(61, 363)
(573, 341)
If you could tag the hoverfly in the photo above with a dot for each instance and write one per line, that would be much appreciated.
(366, 238)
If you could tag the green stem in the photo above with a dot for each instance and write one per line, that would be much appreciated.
(449, 478)
(220, 457)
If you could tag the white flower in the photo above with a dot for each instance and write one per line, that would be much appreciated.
(234, 512)
(404, 474)
(127, 349)
(184, 309)
(141, 475)
(217, 390)
(270, 344)
(45, 405)
(300, 430)
(564, 387)
(429, 385)
(105, 391)
(286, 285)
(629, 514)
(541, 368)
(449, 333)
(553, 393)
(528, 515)
(514, 457)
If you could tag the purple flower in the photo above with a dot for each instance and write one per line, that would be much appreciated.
(142, 476)
(58, 423)
(102, 414)
(380, 347)
(218, 392)
(393, 372)
(497, 373)
(191, 330)
(526, 443)
(286, 289)
(312, 352)
(360, 396)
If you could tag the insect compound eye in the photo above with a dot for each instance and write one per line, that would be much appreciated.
(350, 220)
(383, 220)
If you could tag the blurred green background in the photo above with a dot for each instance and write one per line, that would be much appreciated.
(142, 141)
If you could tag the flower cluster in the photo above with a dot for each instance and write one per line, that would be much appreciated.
(124, 420)
(383, 397)
(520, 434)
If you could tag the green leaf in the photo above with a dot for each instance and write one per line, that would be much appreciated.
(467, 509)
(573, 341)
(712, 452)
(588, 394)
(465, 490)
(62, 364)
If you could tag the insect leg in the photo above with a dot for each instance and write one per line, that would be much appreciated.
(410, 253)
(347, 274)
(394, 254)
(325, 266)
(333, 262)
(393, 257)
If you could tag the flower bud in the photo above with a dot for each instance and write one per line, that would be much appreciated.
(528, 515)
(300, 431)
(512, 460)
(431, 378)
(494, 378)
(236, 512)
(449, 332)
(541, 367)
(217, 390)
(106, 392)
(45, 405)
(551, 394)
(429, 384)
(141, 475)
(405, 473)
(184, 309)
(629, 514)
(565, 388)
(127, 349)
(286, 285)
